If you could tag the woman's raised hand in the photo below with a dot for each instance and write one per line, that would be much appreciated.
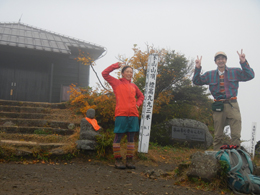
(121, 64)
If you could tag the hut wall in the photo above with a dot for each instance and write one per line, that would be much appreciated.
(38, 76)
(66, 72)
(23, 78)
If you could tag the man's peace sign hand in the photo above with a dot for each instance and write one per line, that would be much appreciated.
(198, 62)
(242, 56)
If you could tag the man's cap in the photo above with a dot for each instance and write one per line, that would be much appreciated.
(220, 53)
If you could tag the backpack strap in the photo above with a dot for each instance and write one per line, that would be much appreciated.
(222, 155)
(239, 168)
(227, 155)
(219, 154)
(235, 166)
(248, 159)
(248, 187)
(235, 179)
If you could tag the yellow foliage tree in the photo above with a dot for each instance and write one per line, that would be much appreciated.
(172, 68)
(82, 99)
(85, 58)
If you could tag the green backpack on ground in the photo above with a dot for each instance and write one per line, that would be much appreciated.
(239, 173)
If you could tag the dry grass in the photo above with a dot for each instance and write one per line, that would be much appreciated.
(34, 138)
(173, 155)
(52, 138)
(64, 115)
(71, 146)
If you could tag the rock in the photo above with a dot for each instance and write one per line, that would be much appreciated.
(162, 133)
(193, 124)
(211, 153)
(8, 124)
(203, 166)
(86, 144)
(87, 131)
(57, 151)
(154, 174)
(158, 173)
(91, 113)
(71, 126)
(22, 152)
(87, 136)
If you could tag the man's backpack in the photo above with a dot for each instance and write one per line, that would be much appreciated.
(239, 173)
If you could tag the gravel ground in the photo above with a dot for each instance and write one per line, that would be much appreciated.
(81, 178)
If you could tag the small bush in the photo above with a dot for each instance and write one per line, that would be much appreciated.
(105, 144)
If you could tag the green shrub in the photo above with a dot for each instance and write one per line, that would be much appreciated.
(105, 143)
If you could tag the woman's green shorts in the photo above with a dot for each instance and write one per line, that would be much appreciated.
(125, 124)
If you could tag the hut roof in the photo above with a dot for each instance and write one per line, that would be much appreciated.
(25, 36)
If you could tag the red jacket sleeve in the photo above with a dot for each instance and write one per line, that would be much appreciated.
(140, 96)
(111, 80)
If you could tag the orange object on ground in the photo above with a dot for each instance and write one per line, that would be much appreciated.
(94, 123)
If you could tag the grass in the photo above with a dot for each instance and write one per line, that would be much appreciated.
(38, 137)
(42, 132)
(64, 115)
(170, 154)
(9, 150)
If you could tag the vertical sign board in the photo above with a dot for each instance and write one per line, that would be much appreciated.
(252, 144)
(147, 111)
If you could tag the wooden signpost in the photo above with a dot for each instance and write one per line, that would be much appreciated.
(252, 144)
(145, 126)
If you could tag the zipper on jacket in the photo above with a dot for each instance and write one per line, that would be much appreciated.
(129, 97)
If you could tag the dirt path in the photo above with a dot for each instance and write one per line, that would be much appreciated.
(79, 178)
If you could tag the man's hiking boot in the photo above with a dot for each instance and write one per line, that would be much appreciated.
(130, 163)
(119, 164)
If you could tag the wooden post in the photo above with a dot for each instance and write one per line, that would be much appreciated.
(252, 145)
(145, 126)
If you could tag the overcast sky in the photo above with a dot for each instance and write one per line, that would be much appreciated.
(190, 27)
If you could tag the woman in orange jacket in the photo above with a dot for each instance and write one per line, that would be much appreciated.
(126, 112)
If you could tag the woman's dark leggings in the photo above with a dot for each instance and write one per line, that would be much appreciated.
(119, 136)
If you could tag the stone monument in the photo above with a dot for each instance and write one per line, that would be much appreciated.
(87, 138)
(185, 132)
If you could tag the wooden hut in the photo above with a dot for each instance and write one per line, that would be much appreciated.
(38, 65)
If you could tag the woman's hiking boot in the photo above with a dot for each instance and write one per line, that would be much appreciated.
(119, 164)
(130, 163)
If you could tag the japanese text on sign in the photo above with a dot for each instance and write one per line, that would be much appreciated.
(144, 135)
(253, 136)
(187, 133)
